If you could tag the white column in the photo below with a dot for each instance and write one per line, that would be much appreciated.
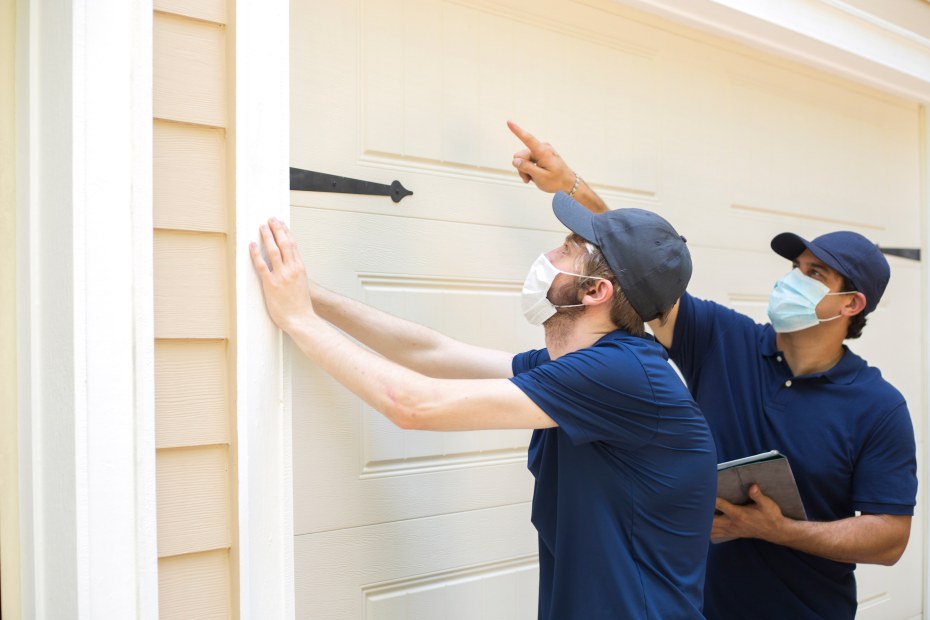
(85, 335)
(260, 135)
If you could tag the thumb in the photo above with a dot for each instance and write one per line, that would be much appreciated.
(756, 495)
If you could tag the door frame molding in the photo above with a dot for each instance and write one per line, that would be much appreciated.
(260, 143)
(85, 390)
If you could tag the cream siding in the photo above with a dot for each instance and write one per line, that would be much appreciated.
(192, 298)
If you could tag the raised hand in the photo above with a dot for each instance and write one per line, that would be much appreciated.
(540, 163)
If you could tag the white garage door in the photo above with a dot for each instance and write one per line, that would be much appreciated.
(731, 146)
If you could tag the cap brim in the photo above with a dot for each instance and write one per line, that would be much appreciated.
(574, 216)
(789, 245)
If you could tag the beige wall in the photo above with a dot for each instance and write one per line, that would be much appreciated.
(193, 320)
(9, 454)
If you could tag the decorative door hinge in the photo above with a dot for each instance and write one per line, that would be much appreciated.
(310, 181)
(911, 253)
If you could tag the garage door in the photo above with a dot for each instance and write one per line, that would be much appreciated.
(730, 145)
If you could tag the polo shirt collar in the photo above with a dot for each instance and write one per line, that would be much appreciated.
(844, 373)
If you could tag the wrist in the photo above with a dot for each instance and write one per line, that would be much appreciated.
(576, 185)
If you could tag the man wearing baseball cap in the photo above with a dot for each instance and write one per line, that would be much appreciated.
(624, 462)
(792, 386)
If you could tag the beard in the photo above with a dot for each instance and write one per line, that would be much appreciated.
(559, 324)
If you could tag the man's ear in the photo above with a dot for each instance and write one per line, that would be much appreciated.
(855, 305)
(599, 292)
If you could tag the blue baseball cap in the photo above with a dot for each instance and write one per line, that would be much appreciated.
(850, 254)
(651, 261)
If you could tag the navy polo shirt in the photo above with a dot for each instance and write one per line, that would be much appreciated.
(625, 485)
(846, 432)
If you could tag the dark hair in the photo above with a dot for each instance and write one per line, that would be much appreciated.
(856, 323)
(594, 265)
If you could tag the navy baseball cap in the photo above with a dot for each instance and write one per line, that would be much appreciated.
(850, 254)
(651, 260)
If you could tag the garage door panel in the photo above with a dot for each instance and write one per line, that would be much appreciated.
(375, 472)
(812, 153)
(438, 80)
(758, 146)
(404, 569)
(730, 145)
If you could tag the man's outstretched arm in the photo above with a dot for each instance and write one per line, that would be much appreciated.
(408, 398)
(540, 163)
(405, 342)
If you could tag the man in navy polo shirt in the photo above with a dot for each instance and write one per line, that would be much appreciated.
(792, 386)
(624, 462)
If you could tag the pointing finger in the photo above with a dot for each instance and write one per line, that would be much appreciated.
(525, 137)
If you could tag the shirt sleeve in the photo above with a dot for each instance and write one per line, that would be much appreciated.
(885, 475)
(595, 394)
(692, 336)
(700, 327)
(530, 359)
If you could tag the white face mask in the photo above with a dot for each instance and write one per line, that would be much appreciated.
(536, 305)
(793, 302)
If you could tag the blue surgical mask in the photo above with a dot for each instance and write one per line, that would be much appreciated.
(536, 305)
(793, 302)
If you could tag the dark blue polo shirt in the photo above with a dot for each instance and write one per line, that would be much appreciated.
(625, 485)
(846, 432)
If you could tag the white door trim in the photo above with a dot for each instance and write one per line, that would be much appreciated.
(827, 34)
(260, 134)
(84, 336)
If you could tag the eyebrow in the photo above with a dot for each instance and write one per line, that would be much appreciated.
(817, 265)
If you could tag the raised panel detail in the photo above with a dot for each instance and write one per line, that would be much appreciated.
(810, 153)
(500, 591)
(193, 499)
(190, 285)
(191, 393)
(195, 586)
(421, 56)
(189, 177)
(448, 305)
(189, 72)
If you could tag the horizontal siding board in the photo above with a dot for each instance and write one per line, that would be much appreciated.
(195, 586)
(189, 177)
(190, 285)
(191, 393)
(193, 499)
(189, 71)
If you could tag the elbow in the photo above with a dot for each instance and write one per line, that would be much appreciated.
(406, 411)
(412, 404)
(891, 556)
(405, 418)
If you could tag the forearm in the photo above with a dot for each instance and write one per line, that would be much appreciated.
(866, 539)
(386, 386)
(589, 198)
(410, 399)
(412, 345)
